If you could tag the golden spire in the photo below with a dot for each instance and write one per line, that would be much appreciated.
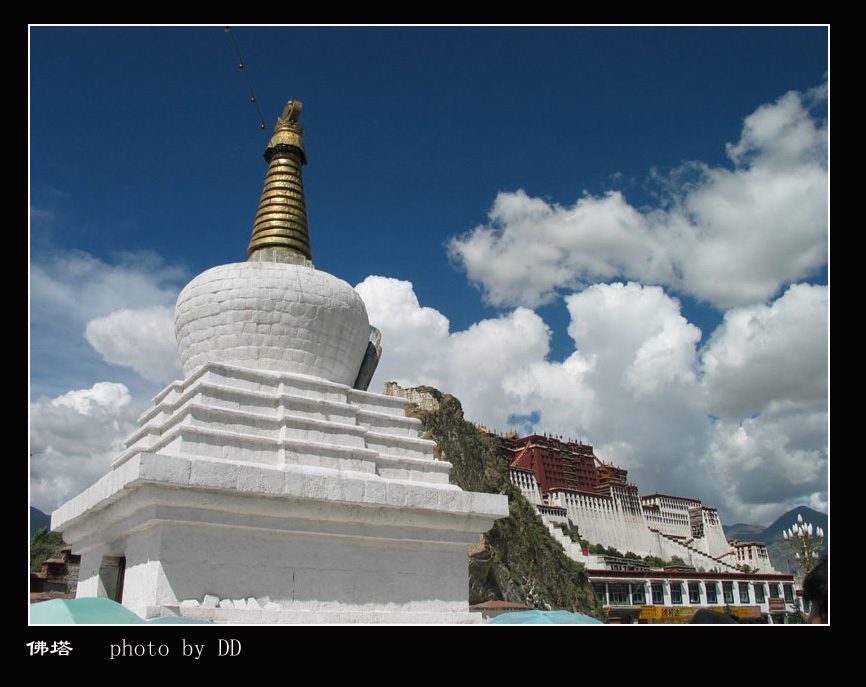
(281, 222)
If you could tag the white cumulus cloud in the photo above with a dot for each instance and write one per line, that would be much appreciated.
(769, 358)
(728, 236)
(73, 439)
(142, 339)
(87, 317)
(639, 387)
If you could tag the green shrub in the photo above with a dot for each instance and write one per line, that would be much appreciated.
(44, 545)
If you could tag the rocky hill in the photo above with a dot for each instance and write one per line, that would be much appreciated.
(517, 560)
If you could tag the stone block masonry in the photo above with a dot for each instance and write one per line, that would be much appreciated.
(419, 396)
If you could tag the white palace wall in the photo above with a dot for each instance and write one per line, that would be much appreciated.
(606, 521)
(600, 520)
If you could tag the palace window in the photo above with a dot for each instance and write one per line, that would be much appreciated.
(789, 593)
(759, 592)
(618, 594)
(694, 592)
(658, 591)
(676, 592)
(744, 592)
(728, 591)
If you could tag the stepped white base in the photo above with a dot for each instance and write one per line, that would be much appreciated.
(272, 498)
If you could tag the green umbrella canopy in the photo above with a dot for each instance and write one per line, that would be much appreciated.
(544, 618)
(83, 611)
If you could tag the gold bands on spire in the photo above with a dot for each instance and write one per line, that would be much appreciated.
(281, 221)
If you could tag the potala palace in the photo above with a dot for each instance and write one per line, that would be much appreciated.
(569, 486)
(566, 481)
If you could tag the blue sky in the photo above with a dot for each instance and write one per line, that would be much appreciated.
(618, 232)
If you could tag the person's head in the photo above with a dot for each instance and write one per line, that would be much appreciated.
(815, 593)
(705, 616)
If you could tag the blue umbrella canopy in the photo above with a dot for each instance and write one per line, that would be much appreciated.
(544, 618)
(83, 611)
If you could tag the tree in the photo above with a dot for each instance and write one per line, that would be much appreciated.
(44, 545)
(654, 561)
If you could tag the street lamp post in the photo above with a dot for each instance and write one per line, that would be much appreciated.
(805, 540)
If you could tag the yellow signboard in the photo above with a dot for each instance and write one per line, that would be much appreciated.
(686, 612)
(746, 611)
(649, 613)
(666, 612)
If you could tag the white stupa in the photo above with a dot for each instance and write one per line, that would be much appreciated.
(269, 486)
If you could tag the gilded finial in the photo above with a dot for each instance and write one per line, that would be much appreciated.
(291, 113)
(281, 220)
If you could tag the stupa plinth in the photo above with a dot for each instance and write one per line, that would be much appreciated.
(268, 485)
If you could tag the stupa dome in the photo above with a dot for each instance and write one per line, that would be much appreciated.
(273, 316)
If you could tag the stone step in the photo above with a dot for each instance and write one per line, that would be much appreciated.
(403, 446)
(413, 469)
(274, 450)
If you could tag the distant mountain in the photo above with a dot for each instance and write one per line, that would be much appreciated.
(774, 531)
(745, 532)
(38, 520)
(781, 555)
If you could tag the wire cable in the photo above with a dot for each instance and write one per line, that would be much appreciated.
(243, 69)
